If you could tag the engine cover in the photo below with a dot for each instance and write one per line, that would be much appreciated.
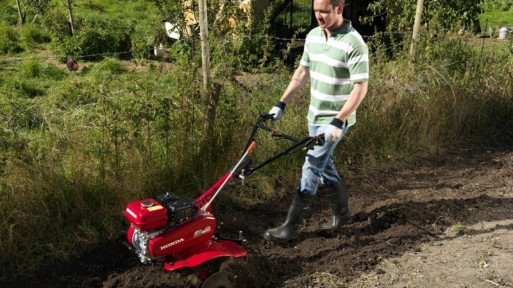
(179, 209)
(146, 214)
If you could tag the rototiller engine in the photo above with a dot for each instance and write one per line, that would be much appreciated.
(182, 231)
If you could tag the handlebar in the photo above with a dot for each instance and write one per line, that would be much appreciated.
(318, 139)
(265, 117)
(308, 142)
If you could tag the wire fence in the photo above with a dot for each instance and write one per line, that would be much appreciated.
(188, 102)
(277, 41)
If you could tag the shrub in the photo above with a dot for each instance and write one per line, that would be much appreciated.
(73, 94)
(56, 21)
(8, 13)
(145, 37)
(452, 52)
(31, 68)
(22, 88)
(35, 68)
(9, 40)
(33, 35)
(100, 38)
(111, 66)
(18, 110)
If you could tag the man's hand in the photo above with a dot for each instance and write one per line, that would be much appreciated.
(334, 131)
(278, 110)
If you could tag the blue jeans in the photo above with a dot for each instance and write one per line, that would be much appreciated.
(318, 164)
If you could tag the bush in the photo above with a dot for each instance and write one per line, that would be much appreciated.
(33, 35)
(17, 110)
(34, 69)
(31, 69)
(8, 13)
(452, 52)
(109, 66)
(145, 37)
(100, 38)
(73, 94)
(9, 40)
(56, 21)
(26, 88)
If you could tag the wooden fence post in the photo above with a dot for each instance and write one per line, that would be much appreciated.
(210, 95)
(416, 28)
(205, 54)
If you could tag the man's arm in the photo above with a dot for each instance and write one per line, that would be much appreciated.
(355, 98)
(298, 80)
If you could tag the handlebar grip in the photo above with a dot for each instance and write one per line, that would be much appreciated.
(253, 144)
(266, 117)
(321, 140)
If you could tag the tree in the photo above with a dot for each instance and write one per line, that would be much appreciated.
(69, 5)
(438, 14)
(38, 6)
(21, 13)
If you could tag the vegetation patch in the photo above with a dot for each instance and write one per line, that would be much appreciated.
(76, 146)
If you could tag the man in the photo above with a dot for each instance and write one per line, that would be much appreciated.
(335, 59)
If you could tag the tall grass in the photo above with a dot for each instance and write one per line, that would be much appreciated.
(79, 147)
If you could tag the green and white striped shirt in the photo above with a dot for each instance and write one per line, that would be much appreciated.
(334, 65)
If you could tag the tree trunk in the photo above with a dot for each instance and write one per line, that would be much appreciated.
(70, 16)
(20, 13)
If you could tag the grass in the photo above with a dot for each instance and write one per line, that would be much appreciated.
(496, 19)
(76, 147)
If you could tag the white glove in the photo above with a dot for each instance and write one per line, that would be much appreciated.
(278, 110)
(334, 131)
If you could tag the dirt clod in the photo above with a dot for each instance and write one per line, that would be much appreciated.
(439, 223)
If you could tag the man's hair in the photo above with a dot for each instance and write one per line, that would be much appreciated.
(337, 2)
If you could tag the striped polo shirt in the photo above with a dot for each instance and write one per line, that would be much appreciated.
(334, 65)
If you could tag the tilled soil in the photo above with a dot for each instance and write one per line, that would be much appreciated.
(446, 221)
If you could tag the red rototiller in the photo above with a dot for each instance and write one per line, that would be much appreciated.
(182, 231)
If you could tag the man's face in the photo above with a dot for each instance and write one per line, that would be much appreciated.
(327, 16)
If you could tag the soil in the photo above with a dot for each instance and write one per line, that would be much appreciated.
(446, 221)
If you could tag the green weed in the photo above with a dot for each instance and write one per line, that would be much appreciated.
(9, 40)
(76, 147)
